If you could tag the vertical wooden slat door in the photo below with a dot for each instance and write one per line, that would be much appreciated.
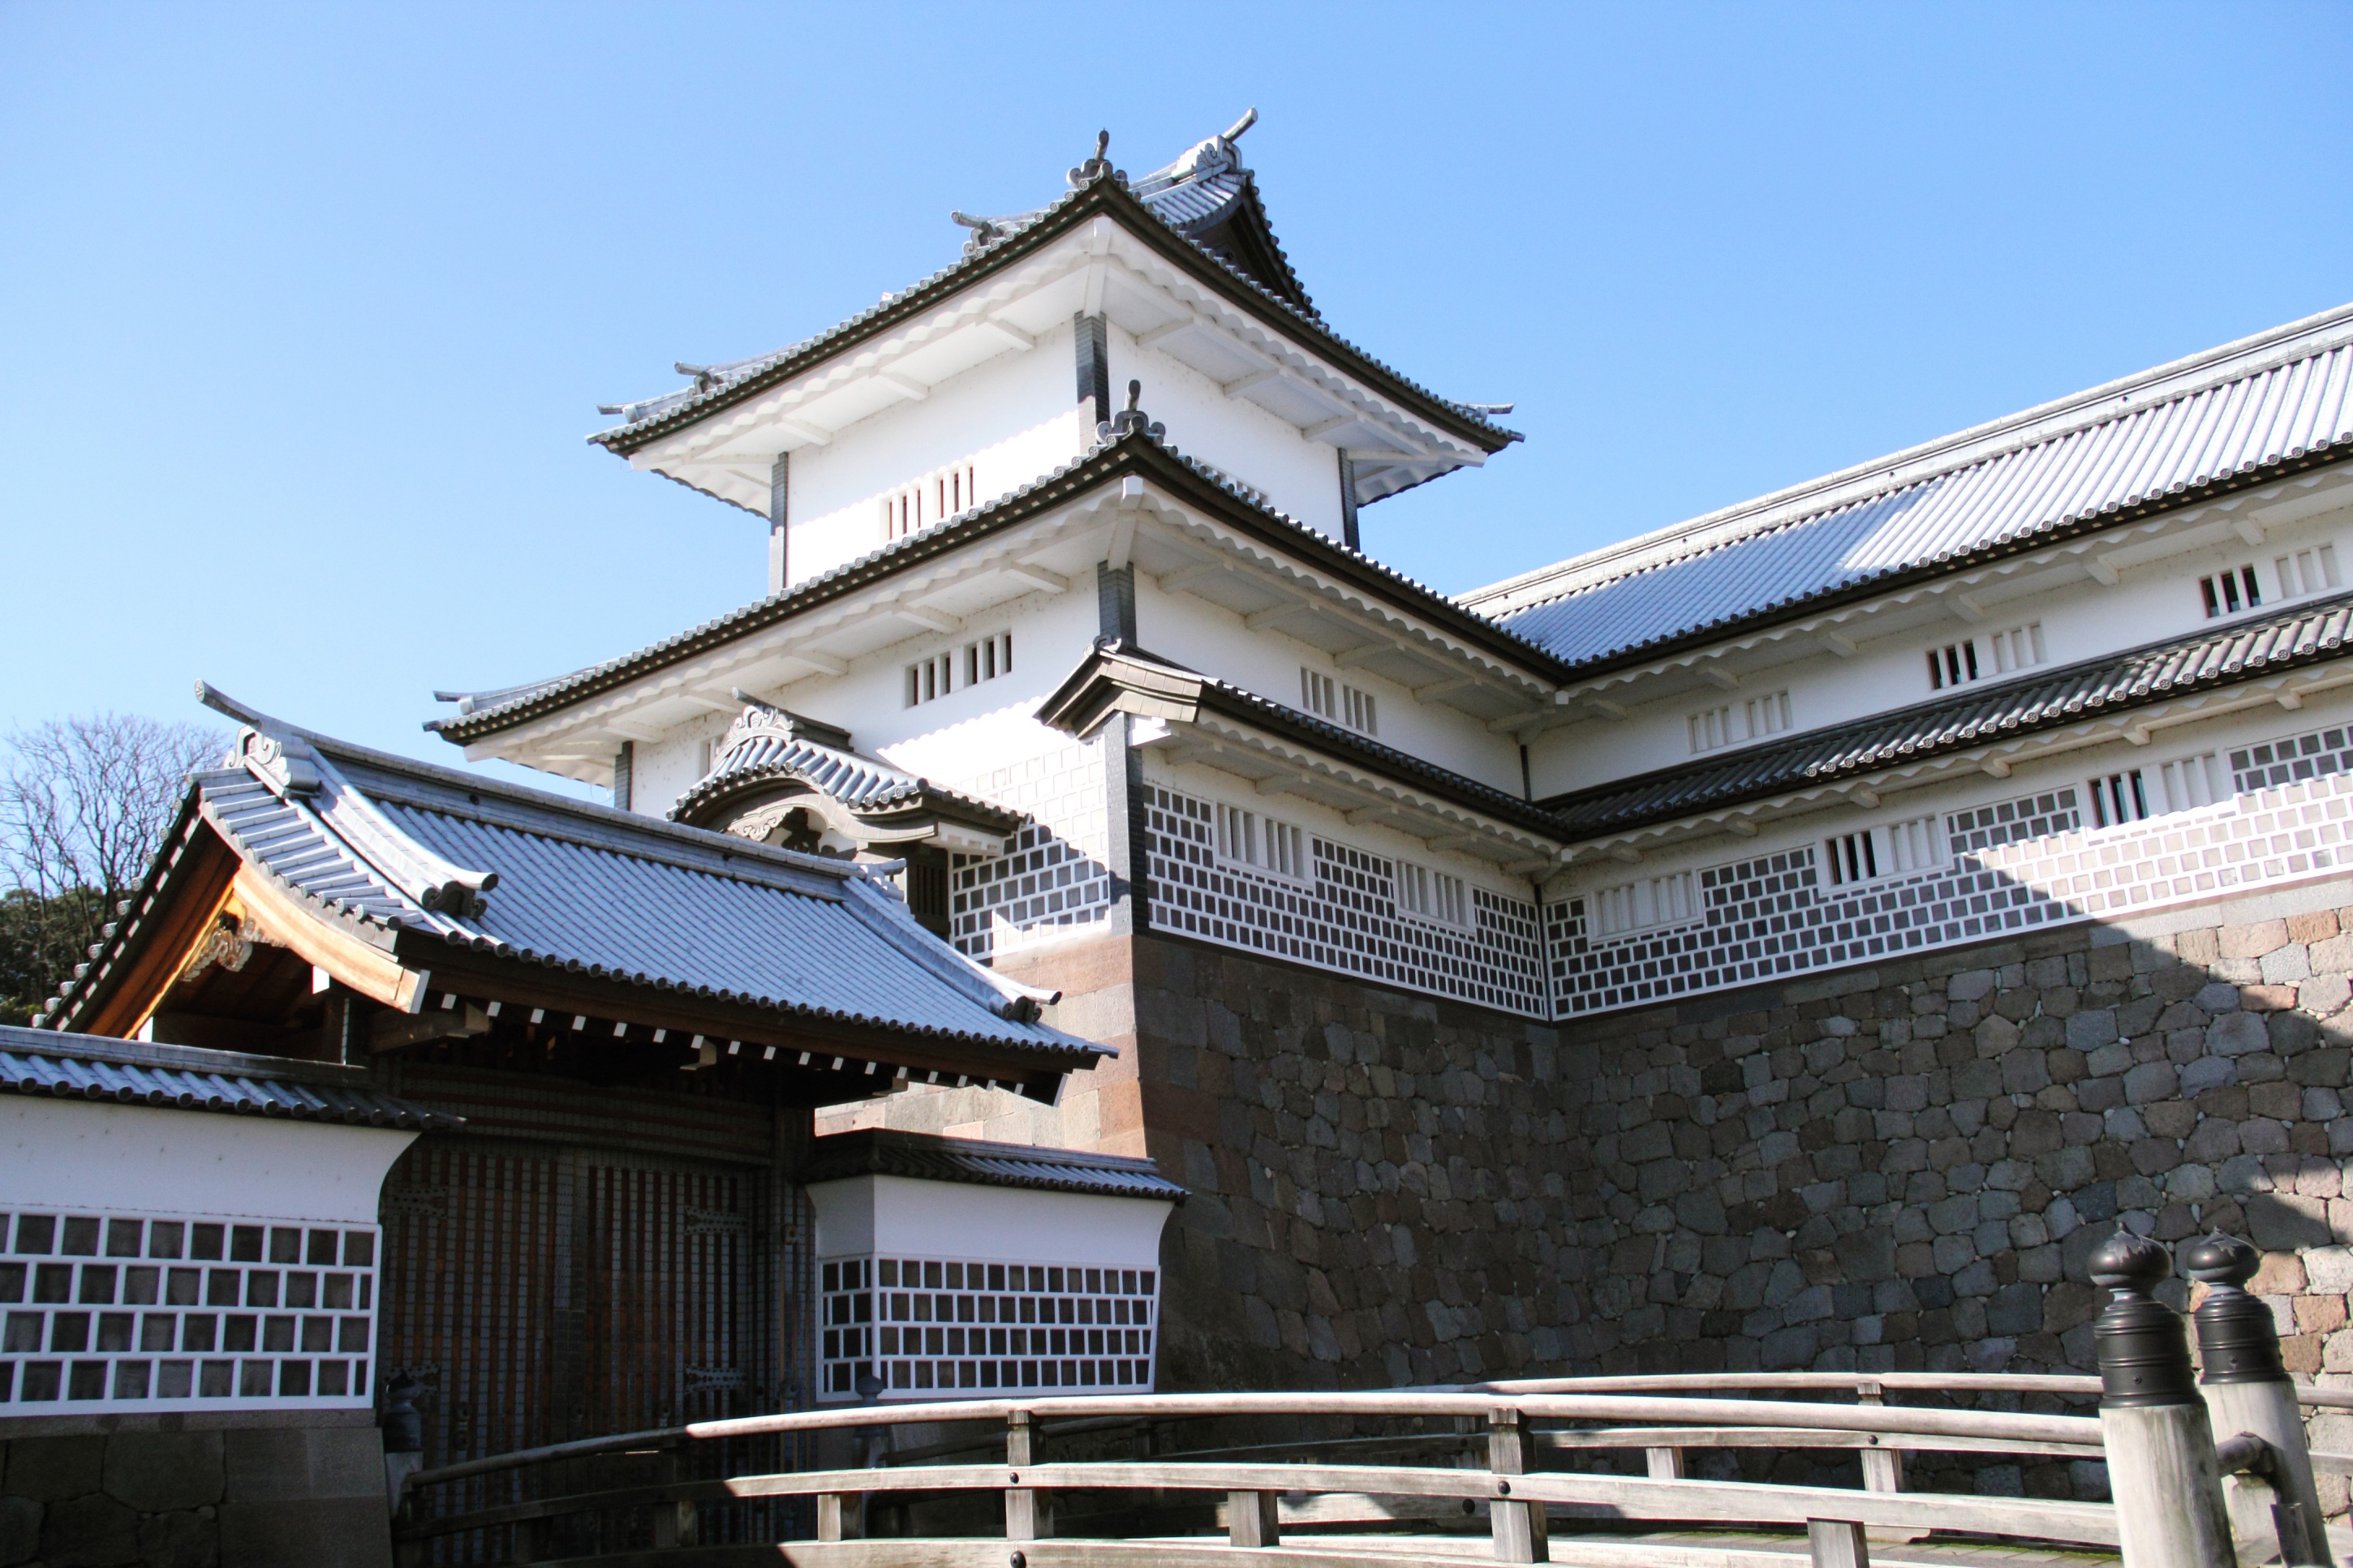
(543, 1292)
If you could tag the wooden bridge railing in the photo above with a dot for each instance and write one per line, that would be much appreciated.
(2171, 1511)
(1512, 1428)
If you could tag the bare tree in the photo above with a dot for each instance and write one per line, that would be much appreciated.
(84, 802)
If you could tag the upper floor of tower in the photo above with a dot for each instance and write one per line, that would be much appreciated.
(1001, 368)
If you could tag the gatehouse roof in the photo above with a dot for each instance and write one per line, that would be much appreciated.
(432, 869)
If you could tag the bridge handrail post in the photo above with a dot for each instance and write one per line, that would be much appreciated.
(1029, 1511)
(674, 1521)
(2247, 1389)
(2162, 1469)
(1253, 1519)
(1520, 1528)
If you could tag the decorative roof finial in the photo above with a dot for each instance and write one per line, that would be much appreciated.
(1130, 419)
(1234, 132)
(705, 378)
(983, 230)
(1098, 165)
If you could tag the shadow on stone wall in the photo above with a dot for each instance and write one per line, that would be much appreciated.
(1895, 1167)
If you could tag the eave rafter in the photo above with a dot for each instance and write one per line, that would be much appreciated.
(975, 309)
(1274, 358)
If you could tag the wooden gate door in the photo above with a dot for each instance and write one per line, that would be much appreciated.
(543, 1292)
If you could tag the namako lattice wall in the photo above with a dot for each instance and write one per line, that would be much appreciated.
(1344, 916)
(115, 1311)
(2016, 866)
(1054, 879)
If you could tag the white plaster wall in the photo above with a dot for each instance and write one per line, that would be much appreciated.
(2080, 621)
(1258, 448)
(1204, 636)
(76, 1155)
(662, 770)
(1970, 789)
(1014, 417)
(882, 1215)
(964, 733)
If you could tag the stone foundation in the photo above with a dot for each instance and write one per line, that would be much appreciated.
(164, 1494)
(1894, 1168)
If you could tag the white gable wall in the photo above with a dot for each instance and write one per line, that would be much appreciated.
(1299, 476)
(1013, 418)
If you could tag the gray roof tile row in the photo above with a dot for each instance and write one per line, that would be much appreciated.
(2153, 444)
(188, 1078)
(2247, 650)
(884, 1151)
(724, 384)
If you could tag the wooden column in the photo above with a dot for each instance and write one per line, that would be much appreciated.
(779, 514)
(1519, 1527)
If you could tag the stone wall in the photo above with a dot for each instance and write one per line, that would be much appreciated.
(158, 1494)
(1894, 1168)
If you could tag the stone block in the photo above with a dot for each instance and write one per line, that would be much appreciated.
(2237, 1034)
(2216, 996)
(304, 1464)
(20, 1530)
(2319, 1314)
(51, 1469)
(321, 1533)
(2286, 964)
(2323, 995)
(2314, 927)
(2329, 1269)
(187, 1539)
(2252, 941)
(2015, 1309)
(2269, 997)
(92, 1531)
(157, 1472)
(2283, 1222)
(2150, 1081)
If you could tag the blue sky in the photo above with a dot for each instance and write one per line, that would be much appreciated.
(304, 311)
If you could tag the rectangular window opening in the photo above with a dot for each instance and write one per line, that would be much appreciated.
(2227, 592)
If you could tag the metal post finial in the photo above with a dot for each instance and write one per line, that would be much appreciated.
(2142, 1354)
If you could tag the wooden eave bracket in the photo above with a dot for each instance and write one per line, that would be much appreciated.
(391, 1031)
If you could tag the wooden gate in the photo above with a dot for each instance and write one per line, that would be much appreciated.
(543, 1293)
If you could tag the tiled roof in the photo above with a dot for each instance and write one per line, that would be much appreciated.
(1091, 189)
(403, 852)
(2243, 651)
(188, 1078)
(486, 713)
(2248, 411)
(884, 1152)
(1069, 707)
(765, 743)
